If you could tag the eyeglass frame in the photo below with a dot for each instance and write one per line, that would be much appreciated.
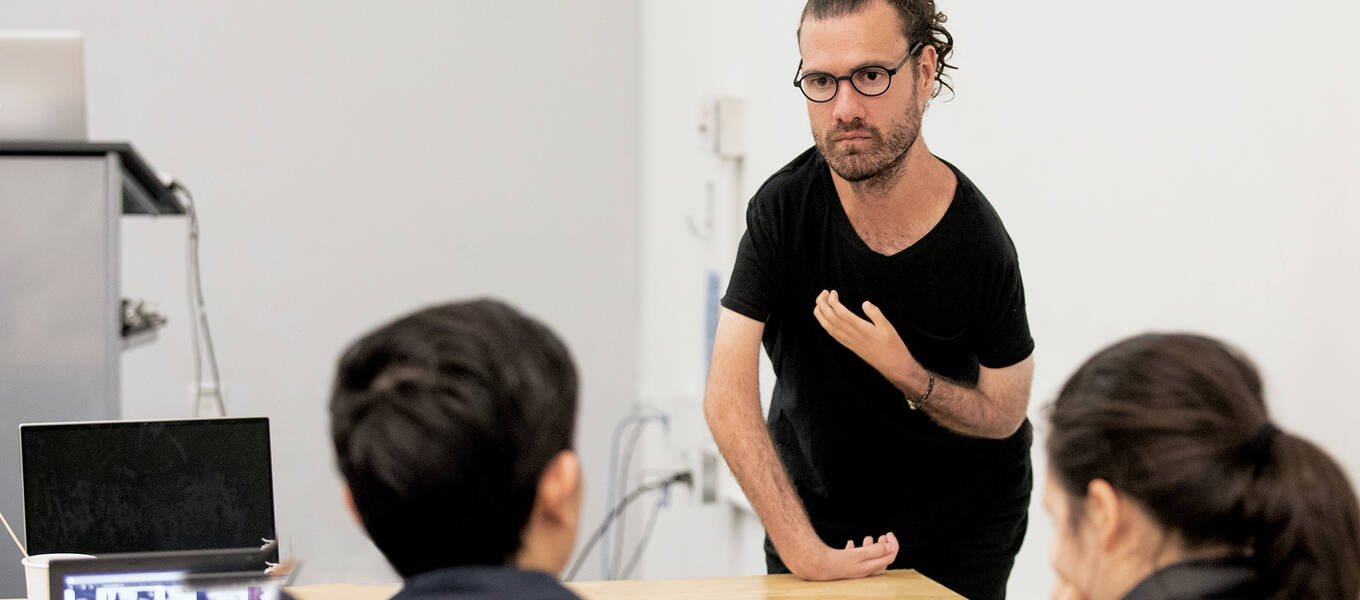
(798, 81)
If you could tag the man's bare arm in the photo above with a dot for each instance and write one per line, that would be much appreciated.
(732, 410)
(994, 409)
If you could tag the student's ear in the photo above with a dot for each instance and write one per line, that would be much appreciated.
(1103, 511)
(559, 490)
(353, 512)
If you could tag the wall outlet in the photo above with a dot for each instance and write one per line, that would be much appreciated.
(722, 126)
(708, 477)
(730, 121)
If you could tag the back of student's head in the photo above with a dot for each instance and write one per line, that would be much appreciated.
(443, 422)
(1179, 423)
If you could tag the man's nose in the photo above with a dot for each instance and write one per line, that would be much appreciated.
(848, 104)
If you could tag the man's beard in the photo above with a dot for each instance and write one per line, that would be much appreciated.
(878, 157)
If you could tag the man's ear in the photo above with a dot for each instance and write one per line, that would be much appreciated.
(926, 62)
(1104, 511)
(559, 489)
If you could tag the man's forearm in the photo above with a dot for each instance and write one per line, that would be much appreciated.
(995, 408)
(966, 409)
(745, 444)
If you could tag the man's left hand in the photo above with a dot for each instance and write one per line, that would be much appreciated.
(875, 341)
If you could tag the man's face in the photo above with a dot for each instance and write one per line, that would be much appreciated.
(861, 136)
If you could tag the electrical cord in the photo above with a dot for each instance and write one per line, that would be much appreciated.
(646, 537)
(620, 530)
(612, 495)
(22, 550)
(198, 313)
(686, 477)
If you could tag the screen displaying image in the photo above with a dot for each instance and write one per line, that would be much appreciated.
(170, 585)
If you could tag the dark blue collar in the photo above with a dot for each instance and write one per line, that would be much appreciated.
(1231, 577)
(483, 583)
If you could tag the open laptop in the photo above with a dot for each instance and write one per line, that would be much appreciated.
(42, 86)
(230, 574)
(146, 486)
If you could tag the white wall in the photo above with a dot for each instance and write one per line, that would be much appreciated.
(1172, 165)
(1165, 165)
(693, 52)
(353, 161)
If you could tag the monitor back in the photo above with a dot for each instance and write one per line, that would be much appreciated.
(42, 86)
(146, 486)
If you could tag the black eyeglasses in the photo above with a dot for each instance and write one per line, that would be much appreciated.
(873, 80)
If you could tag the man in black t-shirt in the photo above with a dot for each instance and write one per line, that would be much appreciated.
(888, 295)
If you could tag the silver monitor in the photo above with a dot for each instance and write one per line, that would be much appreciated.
(42, 86)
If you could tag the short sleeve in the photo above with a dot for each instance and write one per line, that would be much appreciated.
(1004, 338)
(754, 284)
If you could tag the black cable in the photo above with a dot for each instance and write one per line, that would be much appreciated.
(682, 476)
(642, 544)
(619, 536)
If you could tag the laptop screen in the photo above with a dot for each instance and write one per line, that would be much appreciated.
(168, 585)
(145, 486)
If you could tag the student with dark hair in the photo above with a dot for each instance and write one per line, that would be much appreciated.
(453, 428)
(1167, 479)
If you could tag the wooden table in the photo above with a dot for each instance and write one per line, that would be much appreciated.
(906, 584)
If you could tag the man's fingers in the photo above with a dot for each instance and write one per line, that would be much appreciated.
(873, 313)
(847, 316)
(827, 323)
(837, 308)
(870, 559)
(879, 564)
(819, 303)
(819, 311)
(822, 310)
(832, 324)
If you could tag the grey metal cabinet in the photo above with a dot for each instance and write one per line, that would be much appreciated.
(60, 317)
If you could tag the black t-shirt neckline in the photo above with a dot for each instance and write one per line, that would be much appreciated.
(845, 227)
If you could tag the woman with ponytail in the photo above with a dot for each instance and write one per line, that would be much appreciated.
(1168, 480)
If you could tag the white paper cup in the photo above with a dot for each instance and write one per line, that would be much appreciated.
(35, 573)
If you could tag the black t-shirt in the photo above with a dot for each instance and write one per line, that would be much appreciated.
(859, 458)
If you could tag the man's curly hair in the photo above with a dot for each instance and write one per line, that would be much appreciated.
(920, 23)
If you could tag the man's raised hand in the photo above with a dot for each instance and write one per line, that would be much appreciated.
(875, 341)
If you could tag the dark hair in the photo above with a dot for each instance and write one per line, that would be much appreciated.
(443, 422)
(1178, 422)
(920, 23)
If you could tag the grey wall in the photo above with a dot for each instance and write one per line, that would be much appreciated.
(352, 161)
